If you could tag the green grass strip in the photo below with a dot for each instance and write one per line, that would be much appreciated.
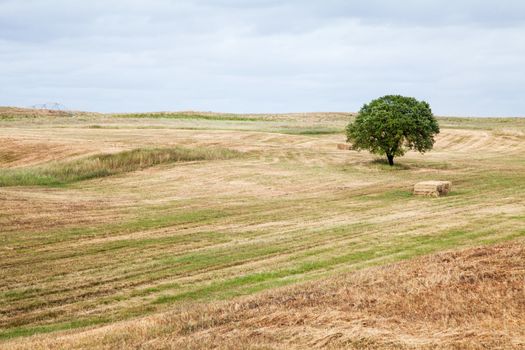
(161, 115)
(102, 165)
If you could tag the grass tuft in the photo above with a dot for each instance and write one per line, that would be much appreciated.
(107, 164)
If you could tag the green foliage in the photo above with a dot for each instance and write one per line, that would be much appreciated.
(393, 124)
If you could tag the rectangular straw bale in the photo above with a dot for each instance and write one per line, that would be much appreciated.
(432, 188)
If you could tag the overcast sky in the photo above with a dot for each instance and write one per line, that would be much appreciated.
(464, 57)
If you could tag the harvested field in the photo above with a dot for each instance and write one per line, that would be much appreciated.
(283, 205)
(469, 299)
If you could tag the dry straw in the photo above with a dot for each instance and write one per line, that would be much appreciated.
(432, 188)
(344, 146)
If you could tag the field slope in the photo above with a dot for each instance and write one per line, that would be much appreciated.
(103, 220)
(469, 299)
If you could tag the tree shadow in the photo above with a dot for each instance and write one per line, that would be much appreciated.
(383, 163)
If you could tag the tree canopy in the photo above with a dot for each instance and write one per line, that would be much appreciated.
(393, 124)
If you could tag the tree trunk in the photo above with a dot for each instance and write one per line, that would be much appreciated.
(390, 159)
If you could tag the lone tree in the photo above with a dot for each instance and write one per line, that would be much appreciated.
(393, 124)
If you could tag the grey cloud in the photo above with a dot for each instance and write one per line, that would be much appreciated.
(464, 57)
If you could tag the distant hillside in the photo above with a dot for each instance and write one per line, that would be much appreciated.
(19, 112)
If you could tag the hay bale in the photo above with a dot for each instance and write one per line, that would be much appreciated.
(432, 188)
(344, 146)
